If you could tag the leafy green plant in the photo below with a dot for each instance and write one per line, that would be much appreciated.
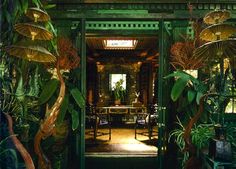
(200, 134)
(20, 97)
(73, 98)
(119, 90)
(194, 96)
(195, 88)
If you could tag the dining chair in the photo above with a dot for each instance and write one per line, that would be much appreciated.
(103, 121)
(145, 119)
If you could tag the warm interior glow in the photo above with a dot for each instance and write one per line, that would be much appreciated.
(120, 44)
(136, 147)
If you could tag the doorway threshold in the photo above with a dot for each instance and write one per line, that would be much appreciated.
(118, 155)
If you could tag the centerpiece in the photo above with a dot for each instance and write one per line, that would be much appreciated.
(118, 91)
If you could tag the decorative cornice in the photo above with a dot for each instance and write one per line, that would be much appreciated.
(136, 11)
(146, 6)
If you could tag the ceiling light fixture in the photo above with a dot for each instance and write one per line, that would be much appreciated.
(120, 44)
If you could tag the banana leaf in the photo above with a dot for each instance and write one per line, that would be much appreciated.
(49, 6)
(63, 109)
(191, 95)
(48, 90)
(199, 95)
(78, 97)
(178, 73)
(178, 88)
(74, 117)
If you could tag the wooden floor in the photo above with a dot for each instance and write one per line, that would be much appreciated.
(122, 143)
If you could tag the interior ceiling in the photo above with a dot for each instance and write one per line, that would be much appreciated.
(146, 51)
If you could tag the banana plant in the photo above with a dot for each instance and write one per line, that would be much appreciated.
(187, 90)
(72, 100)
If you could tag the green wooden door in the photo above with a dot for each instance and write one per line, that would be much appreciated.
(163, 90)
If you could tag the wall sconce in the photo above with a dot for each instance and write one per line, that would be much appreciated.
(137, 66)
(100, 67)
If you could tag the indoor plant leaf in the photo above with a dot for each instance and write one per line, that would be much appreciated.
(78, 97)
(20, 94)
(191, 95)
(179, 74)
(178, 88)
(48, 90)
(199, 95)
(74, 117)
(25, 5)
(49, 6)
(63, 109)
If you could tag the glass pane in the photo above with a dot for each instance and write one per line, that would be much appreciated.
(114, 78)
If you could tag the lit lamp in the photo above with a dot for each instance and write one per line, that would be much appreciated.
(216, 16)
(33, 31)
(120, 44)
(37, 14)
(31, 53)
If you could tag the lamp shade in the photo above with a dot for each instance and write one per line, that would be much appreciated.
(217, 49)
(33, 31)
(217, 16)
(31, 53)
(217, 32)
(37, 14)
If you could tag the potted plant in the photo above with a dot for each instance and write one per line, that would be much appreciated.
(190, 94)
(197, 98)
(118, 91)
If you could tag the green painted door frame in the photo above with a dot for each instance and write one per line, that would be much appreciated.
(165, 40)
(80, 134)
(162, 33)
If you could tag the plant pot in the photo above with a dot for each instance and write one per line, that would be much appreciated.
(117, 102)
(219, 147)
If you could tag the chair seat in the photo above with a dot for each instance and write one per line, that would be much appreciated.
(141, 121)
(146, 120)
(103, 122)
(97, 117)
(103, 119)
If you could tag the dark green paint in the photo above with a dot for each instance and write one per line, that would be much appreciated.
(160, 94)
(81, 142)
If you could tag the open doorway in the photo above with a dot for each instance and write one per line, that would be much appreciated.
(127, 127)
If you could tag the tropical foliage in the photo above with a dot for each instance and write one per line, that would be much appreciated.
(68, 60)
(8, 155)
(200, 134)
